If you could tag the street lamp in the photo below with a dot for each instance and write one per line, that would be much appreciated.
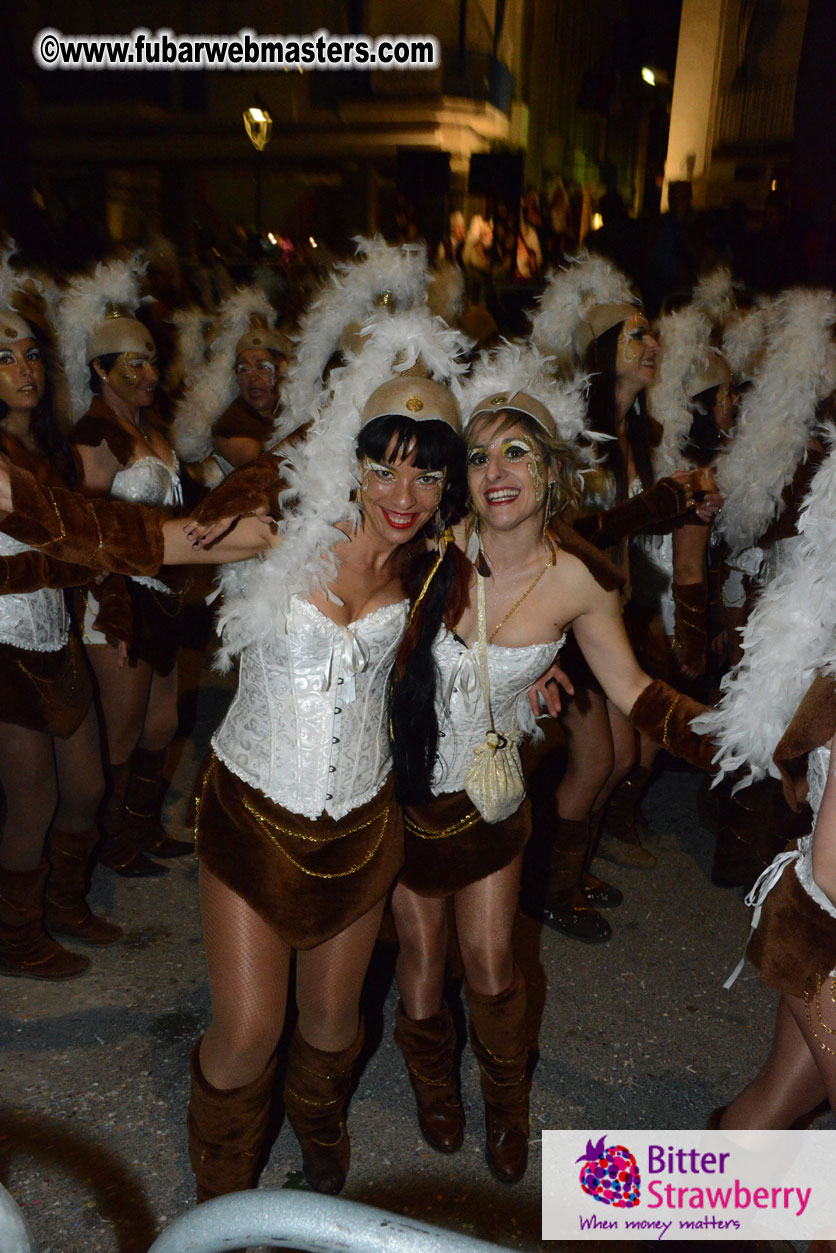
(258, 125)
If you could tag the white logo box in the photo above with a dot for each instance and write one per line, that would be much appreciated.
(692, 1185)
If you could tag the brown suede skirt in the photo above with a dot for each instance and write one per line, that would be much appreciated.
(794, 946)
(157, 627)
(308, 878)
(448, 844)
(46, 692)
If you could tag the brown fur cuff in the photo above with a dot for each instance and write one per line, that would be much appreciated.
(248, 489)
(690, 642)
(665, 715)
(110, 535)
(663, 502)
(30, 571)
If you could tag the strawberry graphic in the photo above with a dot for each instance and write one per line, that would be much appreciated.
(610, 1175)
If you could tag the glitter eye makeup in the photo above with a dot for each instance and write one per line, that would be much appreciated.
(477, 456)
(515, 449)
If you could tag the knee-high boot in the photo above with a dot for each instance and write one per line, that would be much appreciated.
(622, 842)
(25, 948)
(117, 850)
(143, 805)
(227, 1127)
(429, 1050)
(567, 907)
(66, 911)
(316, 1095)
(497, 1035)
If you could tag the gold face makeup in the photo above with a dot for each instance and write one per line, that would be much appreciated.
(516, 450)
(428, 485)
(134, 378)
(633, 334)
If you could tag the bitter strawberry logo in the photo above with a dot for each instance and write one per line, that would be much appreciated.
(610, 1175)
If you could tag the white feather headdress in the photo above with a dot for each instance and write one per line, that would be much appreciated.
(790, 636)
(744, 338)
(212, 387)
(324, 473)
(349, 297)
(446, 294)
(521, 367)
(714, 294)
(778, 415)
(587, 280)
(194, 327)
(82, 306)
(686, 352)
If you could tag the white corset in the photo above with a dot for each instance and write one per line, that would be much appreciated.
(460, 707)
(147, 481)
(36, 620)
(308, 725)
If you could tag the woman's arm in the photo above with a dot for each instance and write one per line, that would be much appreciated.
(111, 535)
(824, 834)
(238, 450)
(653, 707)
(100, 467)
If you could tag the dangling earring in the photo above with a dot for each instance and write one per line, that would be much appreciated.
(438, 530)
(547, 511)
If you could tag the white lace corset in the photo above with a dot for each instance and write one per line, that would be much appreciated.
(460, 707)
(149, 481)
(36, 620)
(309, 723)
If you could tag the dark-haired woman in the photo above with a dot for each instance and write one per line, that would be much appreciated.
(125, 456)
(532, 585)
(50, 762)
(617, 347)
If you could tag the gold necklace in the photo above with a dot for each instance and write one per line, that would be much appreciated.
(515, 607)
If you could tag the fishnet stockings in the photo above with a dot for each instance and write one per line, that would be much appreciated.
(485, 913)
(249, 967)
(36, 774)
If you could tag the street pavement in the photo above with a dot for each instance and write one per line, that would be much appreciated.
(636, 1033)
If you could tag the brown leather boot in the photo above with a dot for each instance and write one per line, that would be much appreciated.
(117, 850)
(25, 948)
(143, 805)
(429, 1050)
(227, 1127)
(316, 1095)
(621, 840)
(568, 908)
(497, 1035)
(66, 911)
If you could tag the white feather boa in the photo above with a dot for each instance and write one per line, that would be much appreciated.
(778, 415)
(586, 281)
(212, 387)
(684, 337)
(789, 638)
(194, 326)
(446, 294)
(325, 473)
(83, 305)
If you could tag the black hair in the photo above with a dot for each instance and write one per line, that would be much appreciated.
(600, 362)
(432, 445)
(702, 443)
(50, 440)
(107, 361)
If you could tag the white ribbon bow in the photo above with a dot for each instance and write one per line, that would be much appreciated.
(761, 888)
